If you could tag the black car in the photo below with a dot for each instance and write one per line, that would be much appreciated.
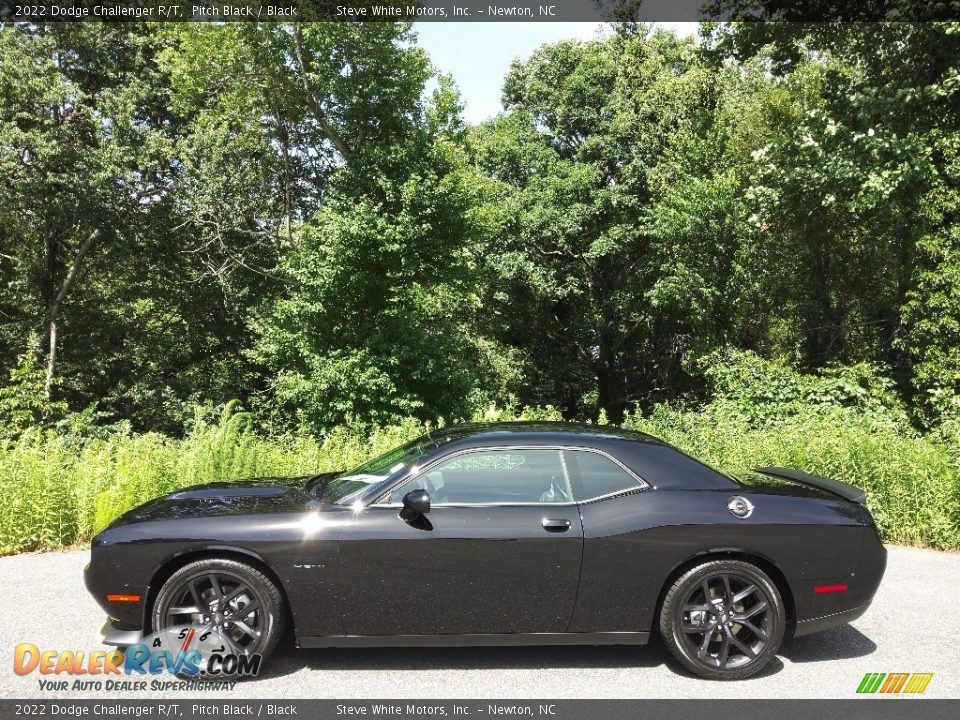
(501, 534)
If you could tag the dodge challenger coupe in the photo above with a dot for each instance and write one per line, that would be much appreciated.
(501, 534)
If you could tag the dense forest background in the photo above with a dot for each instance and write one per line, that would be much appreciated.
(295, 217)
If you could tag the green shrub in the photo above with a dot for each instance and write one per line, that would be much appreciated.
(23, 399)
(766, 392)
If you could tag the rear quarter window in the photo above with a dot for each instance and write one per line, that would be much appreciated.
(595, 475)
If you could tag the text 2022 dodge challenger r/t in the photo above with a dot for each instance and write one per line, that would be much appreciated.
(512, 533)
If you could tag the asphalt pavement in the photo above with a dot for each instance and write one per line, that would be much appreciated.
(909, 628)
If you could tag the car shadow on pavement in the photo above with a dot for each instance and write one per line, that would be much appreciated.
(288, 659)
(838, 643)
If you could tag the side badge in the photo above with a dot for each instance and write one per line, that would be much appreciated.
(740, 507)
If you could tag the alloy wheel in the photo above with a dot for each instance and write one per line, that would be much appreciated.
(726, 620)
(218, 601)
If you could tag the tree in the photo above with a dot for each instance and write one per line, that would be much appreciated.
(104, 250)
(593, 268)
(373, 319)
(857, 190)
(193, 213)
(81, 155)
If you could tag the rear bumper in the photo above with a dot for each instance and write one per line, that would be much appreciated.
(856, 590)
(806, 627)
(116, 634)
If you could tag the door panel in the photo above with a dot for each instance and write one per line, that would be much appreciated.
(493, 569)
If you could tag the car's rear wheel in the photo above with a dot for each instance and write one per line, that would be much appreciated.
(723, 619)
(232, 598)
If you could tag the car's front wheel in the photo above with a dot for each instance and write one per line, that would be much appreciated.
(723, 619)
(233, 599)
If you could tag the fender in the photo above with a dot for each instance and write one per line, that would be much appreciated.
(160, 570)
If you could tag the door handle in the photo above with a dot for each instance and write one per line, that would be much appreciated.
(555, 525)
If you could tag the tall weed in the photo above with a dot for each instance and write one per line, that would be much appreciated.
(58, 490)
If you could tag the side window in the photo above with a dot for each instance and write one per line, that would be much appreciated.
(596, 475)
(493, 476)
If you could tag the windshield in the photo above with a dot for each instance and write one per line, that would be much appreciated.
(345, 488)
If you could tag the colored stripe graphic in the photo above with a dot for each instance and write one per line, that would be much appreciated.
(870, 682)
(918, 682)
(894, 683)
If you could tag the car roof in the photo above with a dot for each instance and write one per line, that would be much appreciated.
(535, 432)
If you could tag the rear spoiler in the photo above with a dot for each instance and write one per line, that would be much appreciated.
(836, 487)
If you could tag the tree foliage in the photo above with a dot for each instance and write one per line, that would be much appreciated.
(297, 216)
(620, 217)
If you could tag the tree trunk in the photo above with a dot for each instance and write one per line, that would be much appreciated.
(303, 60)
(284, 134)
(53, 312)
(611, 390)
(51, 358)
(51, 252)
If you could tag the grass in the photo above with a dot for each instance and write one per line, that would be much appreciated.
(57, 491)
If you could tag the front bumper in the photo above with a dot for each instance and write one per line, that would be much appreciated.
(115, 634)
(101, 579)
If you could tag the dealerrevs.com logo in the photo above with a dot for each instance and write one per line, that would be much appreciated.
(894, 683)
(202, 659)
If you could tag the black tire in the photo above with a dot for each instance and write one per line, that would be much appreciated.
(723, 620)
(212, 582)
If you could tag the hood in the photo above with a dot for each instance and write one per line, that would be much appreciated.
(253, 496)
(250, 487)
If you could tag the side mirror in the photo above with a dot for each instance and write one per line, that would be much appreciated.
(415, 502)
